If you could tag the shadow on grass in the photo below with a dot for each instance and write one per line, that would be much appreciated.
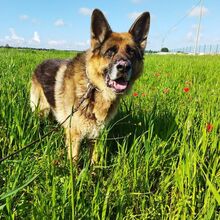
(137, 122)
(130, 124)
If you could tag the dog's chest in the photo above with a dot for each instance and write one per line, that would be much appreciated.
(97, 115)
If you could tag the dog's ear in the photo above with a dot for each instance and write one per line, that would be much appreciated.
(140, 28)
(100, 29)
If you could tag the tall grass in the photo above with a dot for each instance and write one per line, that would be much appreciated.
(166, 166)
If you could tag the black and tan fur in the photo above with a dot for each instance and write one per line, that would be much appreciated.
(111, 65)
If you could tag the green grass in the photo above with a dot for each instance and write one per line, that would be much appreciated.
(166, 166)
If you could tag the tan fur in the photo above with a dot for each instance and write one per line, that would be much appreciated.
(38, 99)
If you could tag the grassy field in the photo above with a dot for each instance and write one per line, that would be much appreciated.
(166, 166)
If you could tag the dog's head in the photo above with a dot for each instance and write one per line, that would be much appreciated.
(116, 59)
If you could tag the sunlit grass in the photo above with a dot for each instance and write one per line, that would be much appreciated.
(166, 166)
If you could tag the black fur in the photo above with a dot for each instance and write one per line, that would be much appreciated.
(46, 75)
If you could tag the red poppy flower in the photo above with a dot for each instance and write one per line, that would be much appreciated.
(157, 74)
(135, 94)
(209, 127)
(143, 94)
(186, 89)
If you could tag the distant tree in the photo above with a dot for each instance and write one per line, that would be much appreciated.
(7, 46)
(151, 51)
(164, 49)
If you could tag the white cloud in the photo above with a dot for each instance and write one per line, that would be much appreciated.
(82, 45)
(28, 18)
(56, 43)
(134, 15)
(191, 37)
(192, 33)
(17, 41)
(14, 39)
(24, 17)
(86, 11)
(196, 11)
(59, 23)
(14, 36)
(36, 38)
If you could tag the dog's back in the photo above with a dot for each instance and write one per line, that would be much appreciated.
(49, 83)
(44, 78)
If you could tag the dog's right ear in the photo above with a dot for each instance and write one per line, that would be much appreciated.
(100, 29)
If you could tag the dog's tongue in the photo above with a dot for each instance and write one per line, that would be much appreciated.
(119, 84)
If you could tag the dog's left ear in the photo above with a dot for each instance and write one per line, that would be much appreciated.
(100, 29)
(140, 28)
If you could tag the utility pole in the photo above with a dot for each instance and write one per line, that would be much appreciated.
(198, 29)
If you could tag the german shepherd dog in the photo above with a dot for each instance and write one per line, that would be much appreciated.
(93, 82)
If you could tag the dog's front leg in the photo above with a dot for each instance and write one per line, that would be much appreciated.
(73, 141)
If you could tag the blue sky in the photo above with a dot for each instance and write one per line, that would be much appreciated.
(65, 24)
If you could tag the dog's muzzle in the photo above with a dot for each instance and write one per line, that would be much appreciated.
(118, 77)
(123, 66)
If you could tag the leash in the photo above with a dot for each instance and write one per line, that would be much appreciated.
(82, 99)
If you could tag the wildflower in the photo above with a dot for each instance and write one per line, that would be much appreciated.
(157, 74)
(209, 127)
(186, 89)
(166, 90)
(135, 94)
(143, 94)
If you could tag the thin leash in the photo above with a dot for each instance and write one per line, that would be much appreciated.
(82, 99)
(87, 95)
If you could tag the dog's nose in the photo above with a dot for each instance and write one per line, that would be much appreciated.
(123, 65)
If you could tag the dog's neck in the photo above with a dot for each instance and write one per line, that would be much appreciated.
(90, 85)
(100, 99)
(105, 92)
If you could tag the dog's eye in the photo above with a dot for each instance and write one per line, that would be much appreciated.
(111, 51)
(130, 51)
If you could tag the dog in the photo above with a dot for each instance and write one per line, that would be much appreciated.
(83, 93)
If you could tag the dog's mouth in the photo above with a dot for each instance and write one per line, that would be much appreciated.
(118, 85)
